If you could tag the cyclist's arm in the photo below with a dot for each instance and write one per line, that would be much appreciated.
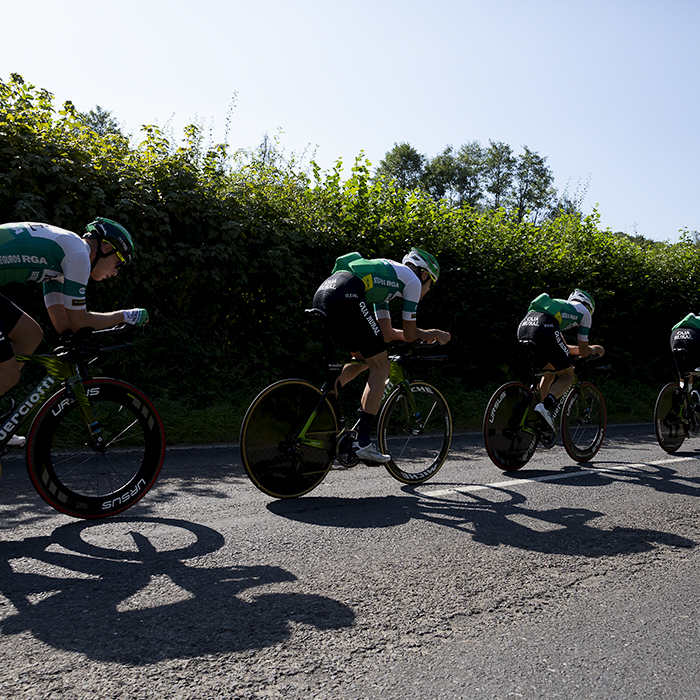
(411, 333)
(584, 349)
(74, 319)
(391, 334)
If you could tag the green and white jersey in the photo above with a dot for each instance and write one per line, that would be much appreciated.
(690, 321)
(384, 280)
(57, 258)
(568, 314)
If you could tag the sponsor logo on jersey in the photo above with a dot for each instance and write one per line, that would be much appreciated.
(368, 282)
(22, 260)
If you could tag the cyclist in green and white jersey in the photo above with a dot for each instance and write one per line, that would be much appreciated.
(541, 328)
(355, 300)
(63, 262)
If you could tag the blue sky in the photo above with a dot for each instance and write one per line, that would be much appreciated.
(607, 90)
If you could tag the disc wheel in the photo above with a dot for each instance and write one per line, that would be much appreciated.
(416, 431)
(668, 424)
(277, 461)
(509, 434)
(583, 422)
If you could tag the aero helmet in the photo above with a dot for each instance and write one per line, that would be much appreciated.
(424, 261)
(114, 233)
(583, 298)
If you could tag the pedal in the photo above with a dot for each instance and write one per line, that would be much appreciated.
(345, 454)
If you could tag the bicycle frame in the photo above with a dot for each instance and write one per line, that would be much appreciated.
(397, 377)
(59, 374)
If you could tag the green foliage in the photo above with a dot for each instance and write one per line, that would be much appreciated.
(231, 249)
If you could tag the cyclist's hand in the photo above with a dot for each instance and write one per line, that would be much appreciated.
(136, 317)
(442, 337)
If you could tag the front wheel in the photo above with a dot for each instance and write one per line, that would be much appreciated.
(583, 422)
(278, 461)
(509, 432)
(87, 481)
(416, 430)
(668, 423)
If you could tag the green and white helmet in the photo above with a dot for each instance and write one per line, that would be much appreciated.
(114, 233)
(423, 261)
(582, 298)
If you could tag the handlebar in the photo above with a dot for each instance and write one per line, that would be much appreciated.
(403, 351)
(82, 343)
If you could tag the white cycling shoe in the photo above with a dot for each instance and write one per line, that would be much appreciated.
(540, 410)
(371, 453)
(17, 441)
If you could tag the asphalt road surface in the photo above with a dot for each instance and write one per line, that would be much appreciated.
(559, 581)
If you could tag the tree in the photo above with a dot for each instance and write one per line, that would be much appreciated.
(532, 189)
(470, 174)
(404, 165)
(100, 121)
(440, 175)
(499, 166)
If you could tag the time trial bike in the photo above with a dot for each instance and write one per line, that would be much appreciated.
(512, 430)
(293, 430)
(95, 445)
(677, 412)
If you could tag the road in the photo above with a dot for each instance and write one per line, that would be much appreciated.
(559, 581)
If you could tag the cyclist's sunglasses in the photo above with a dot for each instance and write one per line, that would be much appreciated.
(114, 251)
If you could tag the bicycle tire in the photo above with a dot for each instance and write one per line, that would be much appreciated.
(273, 457)
(583, 422)
(508, 445)
(669, 428)
(417, 442)
(85, 482)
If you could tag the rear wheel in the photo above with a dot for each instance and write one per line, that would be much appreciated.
(509, 433)
(583, 422)
(275, 458)
(416, 431)
(668, 424)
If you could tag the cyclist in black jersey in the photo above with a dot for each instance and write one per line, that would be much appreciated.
(63, 262)
(347, 297)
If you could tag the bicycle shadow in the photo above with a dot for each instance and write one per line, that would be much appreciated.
(150, 599)
(502, 518)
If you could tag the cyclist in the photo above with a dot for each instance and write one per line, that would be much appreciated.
(685, 345)
(541, 328)
(63, 262)
(355, 300)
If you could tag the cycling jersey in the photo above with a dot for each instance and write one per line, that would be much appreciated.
(384, 280)
(568, 314)
(57, 258)
(690, 321)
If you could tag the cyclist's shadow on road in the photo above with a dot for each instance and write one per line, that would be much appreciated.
(499, 517)
(151, 599)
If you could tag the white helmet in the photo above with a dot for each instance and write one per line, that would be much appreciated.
(582, 298)
(424, 261)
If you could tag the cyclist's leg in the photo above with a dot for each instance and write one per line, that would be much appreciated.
(353, 325)
(19, 333)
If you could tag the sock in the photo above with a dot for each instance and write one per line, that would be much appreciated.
(365, 428)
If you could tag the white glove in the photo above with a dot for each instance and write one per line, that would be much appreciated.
(136, 317)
